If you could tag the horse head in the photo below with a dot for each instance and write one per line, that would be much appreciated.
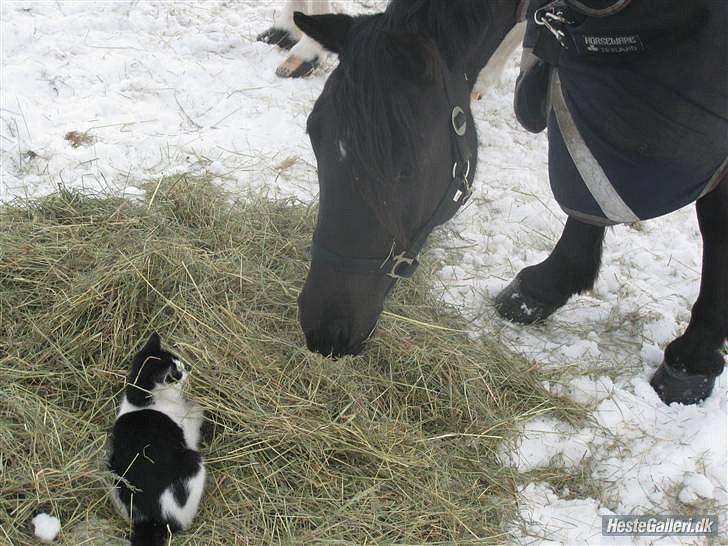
(396, 150)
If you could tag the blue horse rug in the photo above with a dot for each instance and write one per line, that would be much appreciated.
(638, 109)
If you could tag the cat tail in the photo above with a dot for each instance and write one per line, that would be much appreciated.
(149, 533)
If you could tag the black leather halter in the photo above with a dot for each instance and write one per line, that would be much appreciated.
(400, 264)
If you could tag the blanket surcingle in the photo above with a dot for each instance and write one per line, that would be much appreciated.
(637, 108)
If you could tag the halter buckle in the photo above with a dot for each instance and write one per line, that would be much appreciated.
(465, 174)
(463, 193)
(400, 259)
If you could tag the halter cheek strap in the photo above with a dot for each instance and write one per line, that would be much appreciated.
(401, 264)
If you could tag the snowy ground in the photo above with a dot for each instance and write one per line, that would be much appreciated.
(159, 88)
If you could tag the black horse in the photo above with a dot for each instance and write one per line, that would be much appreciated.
(396, 151)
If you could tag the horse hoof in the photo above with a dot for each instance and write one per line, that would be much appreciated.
(673, 385)
(277, 36)
(295, 67)
(515, 305)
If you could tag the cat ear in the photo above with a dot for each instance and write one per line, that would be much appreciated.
(330, 30)
(153, 344)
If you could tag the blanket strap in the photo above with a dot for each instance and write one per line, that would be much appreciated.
(558, 35)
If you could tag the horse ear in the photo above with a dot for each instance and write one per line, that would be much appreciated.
(153, 344)
(330, 30)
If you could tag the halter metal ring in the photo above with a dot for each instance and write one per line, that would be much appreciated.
(458, 127)
(467, 170)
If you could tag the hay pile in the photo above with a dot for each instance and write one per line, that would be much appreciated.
(397, 445)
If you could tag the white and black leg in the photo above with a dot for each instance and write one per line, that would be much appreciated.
(306, 54)
(284, 32)
(303, 59)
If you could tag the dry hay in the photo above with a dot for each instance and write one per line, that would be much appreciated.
(400, 444)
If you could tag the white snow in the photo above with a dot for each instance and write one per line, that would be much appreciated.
(170, 87)
(46, 527)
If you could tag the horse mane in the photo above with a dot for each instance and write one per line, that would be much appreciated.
(452, 24)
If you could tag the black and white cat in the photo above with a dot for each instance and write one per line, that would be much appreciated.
(154, 448)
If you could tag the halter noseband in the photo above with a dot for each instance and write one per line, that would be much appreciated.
(403, 264)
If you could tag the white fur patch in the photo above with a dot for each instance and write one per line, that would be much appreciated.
(187, 414)
(186, 513)
(180, 366)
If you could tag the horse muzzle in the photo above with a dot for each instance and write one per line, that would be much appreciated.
(333, 341)
(338, 320)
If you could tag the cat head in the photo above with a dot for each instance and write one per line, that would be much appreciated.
(154, 372)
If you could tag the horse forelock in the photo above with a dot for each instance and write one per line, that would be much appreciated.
(373, 97)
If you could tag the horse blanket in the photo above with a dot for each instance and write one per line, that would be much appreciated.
(638, 109)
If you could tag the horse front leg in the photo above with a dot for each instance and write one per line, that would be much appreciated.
(694, 360)
(571, 268)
